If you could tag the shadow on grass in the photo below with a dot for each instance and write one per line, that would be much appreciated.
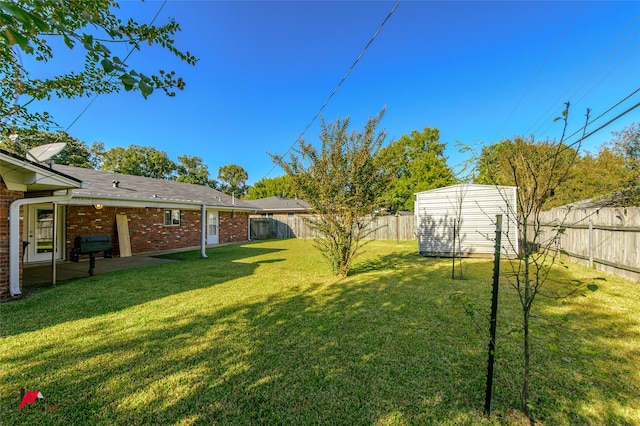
(380, 347)
(357, 352)
(110, 292)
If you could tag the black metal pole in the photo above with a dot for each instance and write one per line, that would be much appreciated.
(494, 315)
(453, 254)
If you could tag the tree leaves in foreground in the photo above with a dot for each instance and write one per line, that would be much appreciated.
(342, 181)
(42, 28)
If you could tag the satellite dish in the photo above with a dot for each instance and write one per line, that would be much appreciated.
(44, 152)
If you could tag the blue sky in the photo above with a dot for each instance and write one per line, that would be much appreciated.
(477, 71)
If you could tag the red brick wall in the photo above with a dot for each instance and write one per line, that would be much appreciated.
(6, 198)
(147, 232)
(233, 227)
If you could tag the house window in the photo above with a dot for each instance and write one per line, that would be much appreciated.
(171, 217)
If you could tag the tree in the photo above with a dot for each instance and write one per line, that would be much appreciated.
(281, 186)
(418, 163)
(538, 169)
(594, 176)
(550, 161)
(191, 169)
(33, 27)
(233, 180)
(342, 181)
(75, 153)
(587, 175)
(138, 160)
(626, 142)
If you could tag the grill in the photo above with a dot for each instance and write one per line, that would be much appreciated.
(91, 244)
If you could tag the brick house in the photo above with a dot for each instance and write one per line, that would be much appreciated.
(54, 205)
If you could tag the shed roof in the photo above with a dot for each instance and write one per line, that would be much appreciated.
(463, 185)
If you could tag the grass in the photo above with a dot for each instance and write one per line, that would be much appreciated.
(263, 334)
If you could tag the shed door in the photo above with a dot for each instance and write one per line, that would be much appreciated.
(212, 227)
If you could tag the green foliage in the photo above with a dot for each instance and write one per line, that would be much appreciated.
(31, 27)
(538, 168)
(191, 169)
(138, 160)
(233, 179)
(627, 143)
(342, 181)
(417, 163)
(613, 172)
(594, 176)
(76, 153)
(268, 187)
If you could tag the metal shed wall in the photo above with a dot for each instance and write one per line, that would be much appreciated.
(477, 205)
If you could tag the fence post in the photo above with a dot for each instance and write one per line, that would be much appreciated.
(494, 315)
(590, 244)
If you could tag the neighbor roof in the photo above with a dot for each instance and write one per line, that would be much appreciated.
(282, 204)
(147, 191)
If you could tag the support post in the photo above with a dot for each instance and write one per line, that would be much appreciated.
(590, 244)
(494, 315)
(54, 243)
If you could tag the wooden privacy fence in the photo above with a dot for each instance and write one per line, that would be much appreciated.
(382, 227)
(607, 239)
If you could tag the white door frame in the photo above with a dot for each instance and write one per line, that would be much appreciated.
(213, 227)
(39, 236)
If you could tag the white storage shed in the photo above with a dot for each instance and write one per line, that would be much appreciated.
(473, 208)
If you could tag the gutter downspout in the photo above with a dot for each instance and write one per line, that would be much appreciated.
(203, 236)
(14, 236)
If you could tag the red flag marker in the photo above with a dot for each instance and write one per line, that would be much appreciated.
(30, 397)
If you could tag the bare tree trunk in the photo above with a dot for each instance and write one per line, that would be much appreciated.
(526, 338)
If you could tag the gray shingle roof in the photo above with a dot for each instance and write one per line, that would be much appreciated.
(281, 204)
(138, 188)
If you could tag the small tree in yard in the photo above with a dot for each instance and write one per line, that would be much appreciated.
(537, 169)
(342, 182)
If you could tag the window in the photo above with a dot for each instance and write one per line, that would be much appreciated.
(171, 217)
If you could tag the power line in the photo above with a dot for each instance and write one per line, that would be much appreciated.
(335, 90)
(586, 71)
(537, 74)
(607, 111)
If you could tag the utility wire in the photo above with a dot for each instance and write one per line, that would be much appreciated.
(583, 75)
(537, 74)
(335, 90)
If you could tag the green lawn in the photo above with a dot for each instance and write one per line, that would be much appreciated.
(263, 334)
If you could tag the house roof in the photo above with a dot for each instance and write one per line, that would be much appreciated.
(142, 191)
(281, 204)
(20, 174)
